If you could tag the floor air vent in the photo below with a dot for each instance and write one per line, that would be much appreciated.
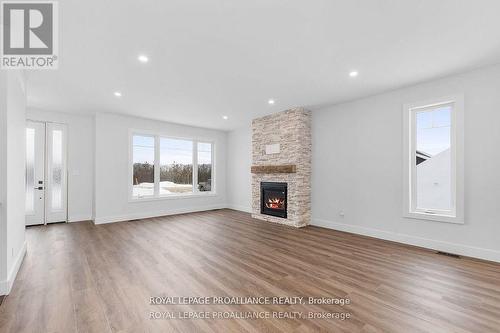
(449, 254)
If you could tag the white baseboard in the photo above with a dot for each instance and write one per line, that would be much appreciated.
(6, 286)
(145, 215)
(464, 250)
(79, 218)
(246, 209)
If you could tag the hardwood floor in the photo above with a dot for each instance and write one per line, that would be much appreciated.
(84, 278)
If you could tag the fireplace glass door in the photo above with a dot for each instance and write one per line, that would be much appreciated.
(274, 199)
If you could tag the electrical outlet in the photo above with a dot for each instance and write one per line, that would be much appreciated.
(341, 213)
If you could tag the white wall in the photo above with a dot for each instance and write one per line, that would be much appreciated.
(239, 179)
(3, 181)
(12, 176)
(80, 159)
(16, 159)
(112, 169)
(357, 167)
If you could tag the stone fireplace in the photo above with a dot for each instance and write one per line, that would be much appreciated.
(281, 167)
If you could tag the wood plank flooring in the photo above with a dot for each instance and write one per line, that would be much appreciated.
(80, 277)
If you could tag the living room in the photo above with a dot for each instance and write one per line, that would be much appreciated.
(257, 166)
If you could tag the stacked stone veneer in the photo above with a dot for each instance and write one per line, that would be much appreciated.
(292, 130)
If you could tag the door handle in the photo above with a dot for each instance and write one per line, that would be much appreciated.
(39, 188)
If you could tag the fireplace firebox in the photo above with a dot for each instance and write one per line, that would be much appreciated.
(273, 199)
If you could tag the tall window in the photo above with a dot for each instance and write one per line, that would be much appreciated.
(434, 137)
(57, 169)
(433, 167)
(164, 167)
(143, 180)
(204, 166)
(30, 170)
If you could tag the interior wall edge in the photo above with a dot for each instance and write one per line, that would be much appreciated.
(246, 209)
(6, 286)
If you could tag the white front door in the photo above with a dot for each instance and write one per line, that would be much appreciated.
(46, 182)
(35, 173)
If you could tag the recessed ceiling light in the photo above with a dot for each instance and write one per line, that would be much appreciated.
(353, 74)
(270, 102)
(142, 58)
(118, 94)
(225, 117)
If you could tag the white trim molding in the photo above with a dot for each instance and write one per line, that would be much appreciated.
(410, 209)
(129, 217)
(6, 286)
(79, 218)
(175, 196)
(460, 249)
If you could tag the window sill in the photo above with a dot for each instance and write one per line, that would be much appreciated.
(435, 217)
(174, 196)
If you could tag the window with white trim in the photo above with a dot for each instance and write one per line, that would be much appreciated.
(168, 167)
(434, 160)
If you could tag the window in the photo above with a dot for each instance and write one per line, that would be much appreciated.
(57, 169)
(434, 160)
(143, 180)
(204, 166)
(169, 167)
(30, 171)
(176, 166)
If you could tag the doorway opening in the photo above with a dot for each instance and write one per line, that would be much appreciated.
(46, 173)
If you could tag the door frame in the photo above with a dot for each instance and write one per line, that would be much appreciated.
(46, 169)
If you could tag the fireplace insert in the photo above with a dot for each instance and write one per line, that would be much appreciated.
(273, 199)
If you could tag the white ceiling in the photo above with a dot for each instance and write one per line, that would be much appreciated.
(228, 57)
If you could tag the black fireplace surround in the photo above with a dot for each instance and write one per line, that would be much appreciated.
(273, 199)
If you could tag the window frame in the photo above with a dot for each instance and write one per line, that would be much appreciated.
(157, 196)
(456, 215)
